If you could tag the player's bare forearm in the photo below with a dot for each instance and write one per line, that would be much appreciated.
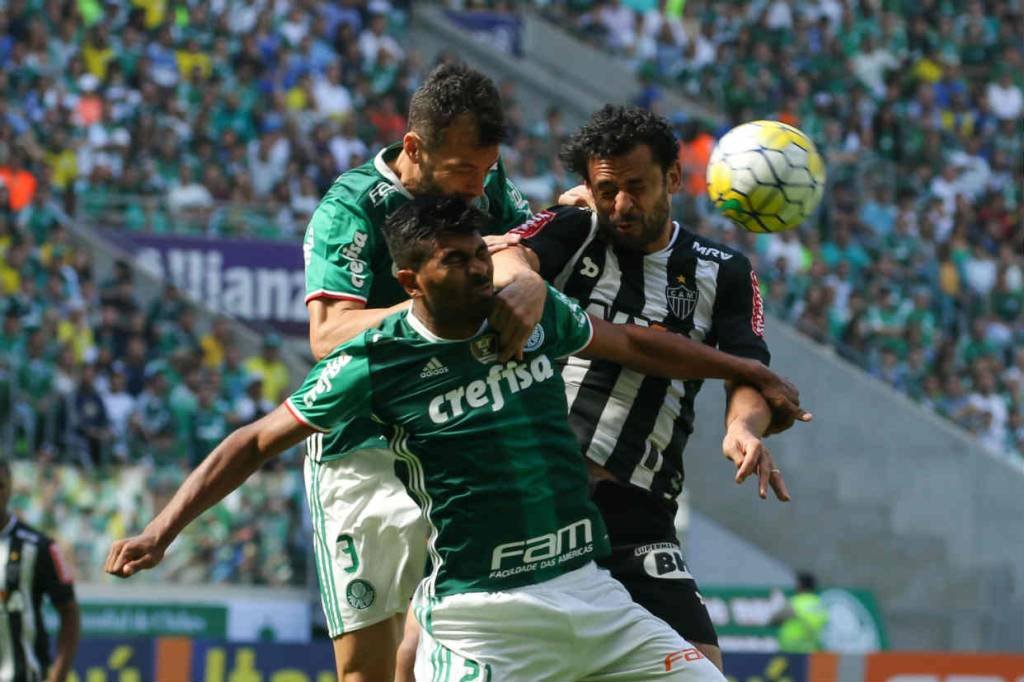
(663, 354)
(512, 262)
(332, 323)
(67, 641)
(746, 408)
(237, 457)
(748, 417)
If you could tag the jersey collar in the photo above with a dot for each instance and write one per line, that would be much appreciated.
(422, 330)
(382, 167)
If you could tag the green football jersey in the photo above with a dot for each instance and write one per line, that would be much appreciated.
(487, 451)
(346, 257)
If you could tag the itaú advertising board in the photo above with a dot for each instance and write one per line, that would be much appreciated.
(943, 667)
(184, 659)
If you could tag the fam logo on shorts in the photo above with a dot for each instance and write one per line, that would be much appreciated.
(360, 594)
(676, 659)
(536, 339)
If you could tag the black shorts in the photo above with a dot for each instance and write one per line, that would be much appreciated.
(647, 559)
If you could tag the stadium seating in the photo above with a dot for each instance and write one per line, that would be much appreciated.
(229, 120)
(914, 268)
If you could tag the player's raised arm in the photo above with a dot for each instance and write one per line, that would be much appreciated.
(663, 354)
(332, 322)
(237, 457)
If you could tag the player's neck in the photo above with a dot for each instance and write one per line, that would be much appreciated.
(449, 330)
(663, 240)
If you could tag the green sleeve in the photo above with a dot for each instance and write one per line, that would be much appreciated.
(336, 390)
(337, 248)
(566, 326)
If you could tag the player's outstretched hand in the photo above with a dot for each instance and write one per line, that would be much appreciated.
(577, 196)
(783, 398)
(749, 454)
(128, 557)
(517, 310)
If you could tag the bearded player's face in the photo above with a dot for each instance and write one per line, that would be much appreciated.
(632, 197)
(457, 166)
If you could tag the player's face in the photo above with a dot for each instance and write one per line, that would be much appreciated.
(631, 194)
(458, 280)
(457, 166)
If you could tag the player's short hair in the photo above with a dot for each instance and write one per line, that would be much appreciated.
(450, 92)
(616, 130)
(412, 230)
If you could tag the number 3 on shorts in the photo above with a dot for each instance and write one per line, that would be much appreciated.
(472, 671)
(348, 546)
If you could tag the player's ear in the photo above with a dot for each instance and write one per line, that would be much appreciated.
(412, 143)
(674, 177)
(407, 278)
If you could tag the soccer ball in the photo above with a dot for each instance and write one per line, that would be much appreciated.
(766, 176)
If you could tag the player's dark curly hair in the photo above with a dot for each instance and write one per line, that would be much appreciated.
(411, 230)
(451, 91)
(616, 130)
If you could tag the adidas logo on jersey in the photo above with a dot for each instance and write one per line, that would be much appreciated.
(433, 368)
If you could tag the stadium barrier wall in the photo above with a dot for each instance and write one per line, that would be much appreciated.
(886, 496)
(181, 659)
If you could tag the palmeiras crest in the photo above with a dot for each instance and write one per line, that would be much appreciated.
(681, 299)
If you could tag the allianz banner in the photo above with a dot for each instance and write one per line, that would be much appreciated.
(256, 281)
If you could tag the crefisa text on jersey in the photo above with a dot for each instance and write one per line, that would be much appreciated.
(512, 377)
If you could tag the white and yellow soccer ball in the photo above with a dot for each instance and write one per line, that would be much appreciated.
(766, 176)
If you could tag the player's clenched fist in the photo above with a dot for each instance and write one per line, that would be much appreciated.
(128, 557)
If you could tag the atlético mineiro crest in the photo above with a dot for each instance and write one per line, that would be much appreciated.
(682, 300)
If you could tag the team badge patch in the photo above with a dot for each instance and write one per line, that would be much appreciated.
(682, 300)
(360, 594)
(485, 348)
(536, 339)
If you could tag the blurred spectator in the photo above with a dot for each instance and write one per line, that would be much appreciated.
(90, 419)
(251, 405)
(270, 368)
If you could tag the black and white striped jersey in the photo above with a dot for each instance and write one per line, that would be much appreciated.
(30, 566)
(634, 425)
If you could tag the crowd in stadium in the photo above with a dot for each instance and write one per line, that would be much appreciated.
(234, 116)
(914, 268)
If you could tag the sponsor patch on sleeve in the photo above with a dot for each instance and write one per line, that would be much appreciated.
(757, 316)
(534, 225)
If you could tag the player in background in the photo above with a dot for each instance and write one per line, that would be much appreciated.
(626, 260)
(30, 567)
(513, 594)
(367, 531)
